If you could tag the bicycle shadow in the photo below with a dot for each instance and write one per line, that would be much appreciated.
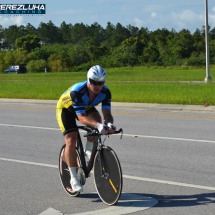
(141, 199)
(126, 200)
(93, 196)
(184, 200)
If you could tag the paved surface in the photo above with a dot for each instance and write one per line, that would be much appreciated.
(124, 105)
(173, 162)
(128, 203)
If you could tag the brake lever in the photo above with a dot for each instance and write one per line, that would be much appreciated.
(121, 131)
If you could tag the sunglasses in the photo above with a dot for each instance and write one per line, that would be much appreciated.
(96, 82)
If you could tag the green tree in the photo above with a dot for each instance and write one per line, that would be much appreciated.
(28, 42)
(181, 45)
(144, 36)
(65, 32)
(97, 33)
(49, 33)
(9, 59)
(10, 34)
(58, 66)
(1, 36)
(108, 31)
(21, 31)
(134, 31)
(96, 52)
(20, 57)
(78, 32)
(212, 51)
(30, 29)
(120, 34)
(150, 54)
(36, 66)
(159, 38)
(212, 34)
(57, 63)
(2, 67)
(127, 54)
(78, 54)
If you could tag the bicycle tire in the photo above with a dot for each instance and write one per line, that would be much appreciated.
(109, 189)
(64, 171)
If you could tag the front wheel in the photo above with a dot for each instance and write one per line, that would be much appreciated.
(108, 184)
(65, 174)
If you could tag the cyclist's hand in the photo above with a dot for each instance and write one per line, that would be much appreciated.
(103, 129)
(112, 128)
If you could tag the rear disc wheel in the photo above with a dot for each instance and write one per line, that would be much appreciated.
(65, 174)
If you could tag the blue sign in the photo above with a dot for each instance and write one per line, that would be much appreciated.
(22, 9)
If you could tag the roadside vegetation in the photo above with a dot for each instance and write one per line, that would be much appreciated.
(128, 84)
(143, 66)
(78, 47)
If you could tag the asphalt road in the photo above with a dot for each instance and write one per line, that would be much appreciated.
(165, 155)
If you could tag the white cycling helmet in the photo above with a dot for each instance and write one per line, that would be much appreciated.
(96, 73)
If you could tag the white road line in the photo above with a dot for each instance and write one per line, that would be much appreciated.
(129, 135)
(169, 182)
(128, 203)
(124, 176)
(170, 138)
(29, 162)
(27, 126)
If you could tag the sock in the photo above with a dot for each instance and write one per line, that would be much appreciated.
(73, 173)
(88, 148)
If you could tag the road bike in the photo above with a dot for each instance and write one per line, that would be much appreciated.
(104, 162)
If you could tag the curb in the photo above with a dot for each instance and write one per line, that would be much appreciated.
(124, 105)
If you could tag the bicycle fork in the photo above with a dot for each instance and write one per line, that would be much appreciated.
(104, 174)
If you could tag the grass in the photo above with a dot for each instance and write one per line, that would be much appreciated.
(123, 74)
(164, 93)
(137, 85)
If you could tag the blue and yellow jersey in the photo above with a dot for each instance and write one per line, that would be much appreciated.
(76, 99)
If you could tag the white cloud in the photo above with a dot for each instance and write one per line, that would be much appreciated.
(138, 22)
(186, 19)
(190, 16)
(100, 1)
(211, 19)
(124, 7)
(67, 12)
(153, 14)
(11, 20)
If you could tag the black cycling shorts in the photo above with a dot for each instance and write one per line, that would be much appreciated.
(67, 120)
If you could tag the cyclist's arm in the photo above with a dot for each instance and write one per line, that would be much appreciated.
(108, 118)
(82, 117)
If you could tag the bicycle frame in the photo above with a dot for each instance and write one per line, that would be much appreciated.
(107, 169)
(97, 146)
(80, 147)
(86, 168)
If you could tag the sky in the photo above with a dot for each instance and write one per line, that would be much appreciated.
(153, 14)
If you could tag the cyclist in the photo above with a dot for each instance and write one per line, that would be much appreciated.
(79, 102)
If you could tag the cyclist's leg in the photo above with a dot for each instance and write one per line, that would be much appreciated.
(67, 123)
(70, 152)
(93, 114)
(65, 174)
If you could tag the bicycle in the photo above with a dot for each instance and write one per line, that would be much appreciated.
(105, 163)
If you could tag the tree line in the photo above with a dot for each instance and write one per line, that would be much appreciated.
(78, 47)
